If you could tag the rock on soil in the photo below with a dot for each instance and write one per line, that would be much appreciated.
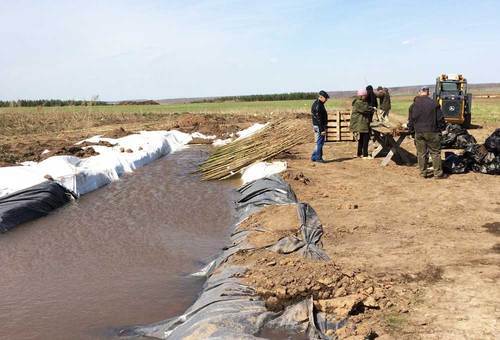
(118, 133)
(72, 150)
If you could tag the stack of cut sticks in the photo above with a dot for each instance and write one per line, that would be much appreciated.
(275, 138)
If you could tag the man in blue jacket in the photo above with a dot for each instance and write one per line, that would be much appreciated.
(319, 121)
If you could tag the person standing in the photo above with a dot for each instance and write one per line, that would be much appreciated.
(426, 121)
(360, 122)
(385, 101)
(372, 100)
(319, 121)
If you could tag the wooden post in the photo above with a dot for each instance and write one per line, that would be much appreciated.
(339, 124)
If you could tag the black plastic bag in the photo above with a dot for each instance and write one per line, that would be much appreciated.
(490, 165)
(492, 143)
(463, 141)
(456, 137)
(475, 153)
(455, 164)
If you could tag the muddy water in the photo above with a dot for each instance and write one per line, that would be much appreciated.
(118, 256)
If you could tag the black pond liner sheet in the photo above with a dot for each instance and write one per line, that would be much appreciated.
(31, 203)
(229, 309)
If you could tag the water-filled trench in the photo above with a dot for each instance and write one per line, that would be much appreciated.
(118, 256)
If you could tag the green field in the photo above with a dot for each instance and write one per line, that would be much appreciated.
(483, 109)
(25, 120)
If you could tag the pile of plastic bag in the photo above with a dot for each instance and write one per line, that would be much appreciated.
(456, 137)
(482, 158)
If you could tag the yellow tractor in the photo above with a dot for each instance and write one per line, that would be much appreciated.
(456, 103)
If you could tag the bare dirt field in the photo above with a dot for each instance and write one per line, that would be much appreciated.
(435, 244)
(28, 144)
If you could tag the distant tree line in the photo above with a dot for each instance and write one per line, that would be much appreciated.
(262, 97)
(50, 102)
(138, 102)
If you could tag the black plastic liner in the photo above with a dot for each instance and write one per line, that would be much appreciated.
(456, 137)
(31, 203)
(265, 191)
(229, 309)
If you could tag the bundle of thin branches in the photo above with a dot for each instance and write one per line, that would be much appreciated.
(275, 138)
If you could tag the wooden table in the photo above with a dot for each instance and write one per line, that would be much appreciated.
(385, 138)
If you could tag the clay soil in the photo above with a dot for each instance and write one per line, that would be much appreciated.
(431, 247)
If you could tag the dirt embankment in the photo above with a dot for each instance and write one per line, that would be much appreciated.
(348, 296)
(17, 146)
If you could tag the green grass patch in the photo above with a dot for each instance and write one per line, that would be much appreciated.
(396, 322)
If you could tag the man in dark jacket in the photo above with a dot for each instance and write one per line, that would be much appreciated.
(319, 121)
(385, 101)
(426, 121)
(372, 100)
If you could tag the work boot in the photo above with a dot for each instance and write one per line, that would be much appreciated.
(443, 176)
(425, 175)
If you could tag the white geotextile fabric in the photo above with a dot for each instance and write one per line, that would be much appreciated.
(87, 174)
(202, 136)
(250, 131)
(261, 169)
(221, 142)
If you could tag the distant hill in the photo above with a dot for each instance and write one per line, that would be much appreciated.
(475, 89)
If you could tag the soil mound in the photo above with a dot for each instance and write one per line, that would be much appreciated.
(118, 133)
(207, 124)
(72, 150)
(275, 222)
(100, 143)
(333, 290)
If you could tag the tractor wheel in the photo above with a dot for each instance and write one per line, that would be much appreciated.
(467, 121)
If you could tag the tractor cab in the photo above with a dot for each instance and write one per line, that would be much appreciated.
(451, 93)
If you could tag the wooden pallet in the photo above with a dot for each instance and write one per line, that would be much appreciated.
(337, 129)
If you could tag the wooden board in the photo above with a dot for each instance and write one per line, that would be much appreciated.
(337, 128)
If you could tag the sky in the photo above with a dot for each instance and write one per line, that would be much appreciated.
(155, 49)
